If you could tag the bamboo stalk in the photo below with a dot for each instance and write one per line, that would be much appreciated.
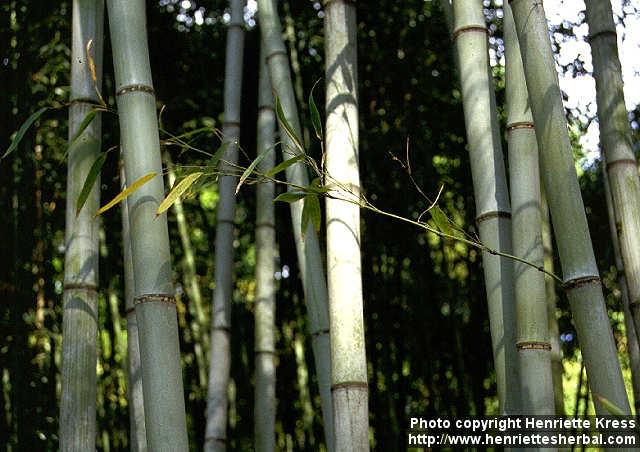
(621, 167)
(632, 335)
(581, 279)
(138, 431)
(557, 369)
(533, 345)
(80, 297)
(154, 301)
(195, 305)
(220, 357)
(493, 212)
(348, 358)
(307, 246)
(265, 306)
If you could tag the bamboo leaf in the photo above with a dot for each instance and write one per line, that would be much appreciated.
(315, 114)
(317, 187)
(290, 196)
(177, 191)
(22, 130)
(83, 125)
(217, 156)
(126, 192)
(90, 181)
(609, 406)
(443, 223)
(251, 167)
(286, 126)
(284, 165)
(311, 213)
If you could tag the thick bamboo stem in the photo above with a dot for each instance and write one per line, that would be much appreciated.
(80, 297)
(220, 357)
(621, 166)
(557, 369)
(138, 431)
(348, 358)
(632, 335)
(265, 304)
(307, 246)
(533, 345)
(493, 212)
(581, 279)
(153, 297)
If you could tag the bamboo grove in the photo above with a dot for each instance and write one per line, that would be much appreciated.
(275, 225)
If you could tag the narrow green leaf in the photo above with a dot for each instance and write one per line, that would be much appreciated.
(126, 192)
(317, 187)
(287, 127)
(315, 114)
(311, 213)
(284, 165)
(251, 167)
(177, 191)
(217, 156)
(22, 130)
(83, 125)
(90, 181)
(610, 406)
(290, 196)
(443, 224)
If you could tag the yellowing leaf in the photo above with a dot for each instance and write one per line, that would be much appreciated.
(177, 191)
(126, 192)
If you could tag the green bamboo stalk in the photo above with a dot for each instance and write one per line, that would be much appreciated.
(348, 358)
(307, 246)
(581, 279)
(621, 166)
(80, 297)
(533, 345)
(155, 307)
(493, 213)
(557, 369)
(265, 304)
(632, 335)
(195, 305)
(138, 431)
(220, 358)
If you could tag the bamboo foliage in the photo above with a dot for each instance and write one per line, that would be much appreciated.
(220, 359)
(80, 315)
(581, 279)
(493, 212)
(265, 397)
(615, 138)
(348, 358)
(307, 246)
(137, 429)
(155, 307)
(533, 345)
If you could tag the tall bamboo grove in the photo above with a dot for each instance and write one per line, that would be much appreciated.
(220, 359)
(153, 298)
(80, 298)
(348, 358)
(615, 139)
(493, 212)
(307, 246)
(581, 279)
(265, 300)
(533, 345)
